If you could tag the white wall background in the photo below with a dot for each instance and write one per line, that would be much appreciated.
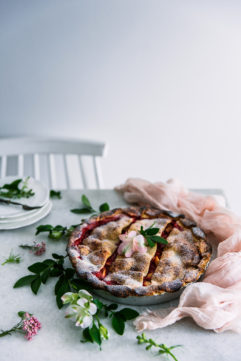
(160, 81)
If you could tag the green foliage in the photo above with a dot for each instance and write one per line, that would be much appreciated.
(12, 190)
(150, 236)
(87, 207)
(55, 232)
(162, 348)
(12, 258)
(55, 194)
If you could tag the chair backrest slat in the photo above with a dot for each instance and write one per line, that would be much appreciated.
(82, 173)
(3, 166)
(20, 165)
(36, 166)
(66, 171)
(52, 172)
(97, 171)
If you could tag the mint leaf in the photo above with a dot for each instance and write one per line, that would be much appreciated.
(158, 239)
(62, 288)
(21, 314)
(85, 201)
(55, 194)
(35, 284)
(57, 256)
(26, 280)
(12, 186)
(81, 210)
(118, 324)
(151, 231)
(37, 267)
(112, 307)
(104, 207)
(87, 336)
(43, 228)
(98, 303)
(149, 241)
(95, 334)
(49, 262)
(150, 235)
(45, 275)
(128, 313)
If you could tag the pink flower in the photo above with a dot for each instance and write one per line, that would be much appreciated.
(39, 248)
(31, 325)
(131, 242)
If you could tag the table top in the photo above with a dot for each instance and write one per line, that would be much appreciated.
(59, 339)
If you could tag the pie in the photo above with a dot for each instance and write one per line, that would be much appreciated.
(108, 252)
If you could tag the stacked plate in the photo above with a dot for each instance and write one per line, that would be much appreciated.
(14, 216)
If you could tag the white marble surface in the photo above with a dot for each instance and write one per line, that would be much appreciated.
(59, 339)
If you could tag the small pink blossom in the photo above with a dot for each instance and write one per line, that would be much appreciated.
(39, 248)
(131, 242)
(31, 326)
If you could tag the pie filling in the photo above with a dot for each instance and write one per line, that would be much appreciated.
(168, 266)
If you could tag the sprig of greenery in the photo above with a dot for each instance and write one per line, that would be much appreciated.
(87, 207)
(97, 332)
(67, 282)
(163, 349)
(17, 327)
(12, 259)
(151, 237)
(12, 190)
(55, 232)
(42, 271)
(55, 194)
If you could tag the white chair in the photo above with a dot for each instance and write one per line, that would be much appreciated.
(53, 150)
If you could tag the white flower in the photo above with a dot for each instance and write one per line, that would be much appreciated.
(84, 322)
(81, 308)
(131, 242)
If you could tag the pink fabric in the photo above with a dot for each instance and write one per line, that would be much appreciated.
(215, 302)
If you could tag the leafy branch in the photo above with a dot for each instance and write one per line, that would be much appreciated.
(12, 259)
(87, 207)
(42, 271)
(12, 190)
(55, 232)
(67, 282)
(150, 234)
(55, 194)
(118, 318)
(163, 349)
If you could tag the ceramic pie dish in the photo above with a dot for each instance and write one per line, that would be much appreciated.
(109, 252)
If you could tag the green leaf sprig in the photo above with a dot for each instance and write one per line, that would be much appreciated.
(12, 190)
(55, 194)
(67, 282)
(98, 332)
(163, 349)
(55, 232)
(12, 258)
(87, 207)
(42, 271)
(150, 235)
(118, 318)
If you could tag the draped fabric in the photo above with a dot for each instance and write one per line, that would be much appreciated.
(215, 302)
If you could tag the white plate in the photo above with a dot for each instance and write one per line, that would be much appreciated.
(27, 221)
(26, 215)
(40, 198)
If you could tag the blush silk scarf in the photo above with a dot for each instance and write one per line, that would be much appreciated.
(214, 303)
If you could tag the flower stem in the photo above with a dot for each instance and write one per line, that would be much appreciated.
(13, 329)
